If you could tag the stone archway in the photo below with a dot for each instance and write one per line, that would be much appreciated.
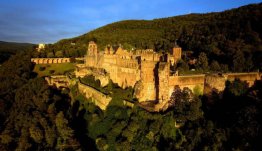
(62, 60)
(45, 61)
(41, 61)
(55, 60)
(34, 61)
(50, 61)
(59, 60)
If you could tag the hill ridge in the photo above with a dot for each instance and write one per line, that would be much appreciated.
(219, 35)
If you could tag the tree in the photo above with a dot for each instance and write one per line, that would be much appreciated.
(59, 54)
(175, 96)
(238, 61)
(236, 87)
(36, 133)
(249, 63)
(224, 67)
(50, 55)
(186, 105)
(50, 136)
(6, 138)
(202, 62)
(182, 66)
(42, 54)
(215, 66)
(127, 46)
(23, 142)
(198, 90)
(66, 134)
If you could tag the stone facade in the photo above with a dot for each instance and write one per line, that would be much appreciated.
(217, 82)
(163, 85)
(98, 98)
(60, 81)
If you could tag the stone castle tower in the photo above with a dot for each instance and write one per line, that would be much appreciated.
(148, 84)
(163, 84)
(176, 54)
(92, 48)
(92, 54)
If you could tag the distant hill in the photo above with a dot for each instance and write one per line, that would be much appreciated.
(14, 46)
(219, 35)
(9, 48)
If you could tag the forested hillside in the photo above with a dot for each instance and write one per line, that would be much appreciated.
(35, 116)
(10, 48)
(225, 36)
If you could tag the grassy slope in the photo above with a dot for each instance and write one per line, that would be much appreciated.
(58, 68)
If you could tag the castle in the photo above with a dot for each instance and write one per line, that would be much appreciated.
(151, 74)
(145, 70)
(148, 72)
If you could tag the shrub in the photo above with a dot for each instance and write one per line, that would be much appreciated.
(52, 71)
(41, 68)
(73, 60)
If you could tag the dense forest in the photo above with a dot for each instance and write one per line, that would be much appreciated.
(35, 116)
(10, 48)
(232, 37)
(32, 114)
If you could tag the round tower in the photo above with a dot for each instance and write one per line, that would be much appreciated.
(148, 81)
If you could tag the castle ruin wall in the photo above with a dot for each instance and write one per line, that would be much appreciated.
(191, 81)
(98, 98)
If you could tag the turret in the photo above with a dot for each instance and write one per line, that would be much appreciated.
(92, 54)
(148, 83)
(92, 48)
(176, 53)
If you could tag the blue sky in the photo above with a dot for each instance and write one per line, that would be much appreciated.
(47, 21)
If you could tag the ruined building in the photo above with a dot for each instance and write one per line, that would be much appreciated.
(145, 70)
(148, 72)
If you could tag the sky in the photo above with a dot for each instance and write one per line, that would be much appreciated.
(48, 21)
